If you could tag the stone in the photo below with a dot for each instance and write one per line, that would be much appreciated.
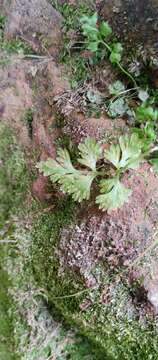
(117, 238)
(16, 97)
(37, 23)
(4, 7)
(135, 23)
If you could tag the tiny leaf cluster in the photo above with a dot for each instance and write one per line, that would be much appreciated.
(120, 157)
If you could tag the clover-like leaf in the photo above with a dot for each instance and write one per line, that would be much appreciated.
(116, 88)
(114, 194)
(117, 107)
(89, 20)
(143, 95)
(116, 53)
(146, 113)
(93, 46)
(105, 29)
(90, 29)
(90, 152)
(115, 57)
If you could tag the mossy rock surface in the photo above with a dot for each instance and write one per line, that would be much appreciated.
(119, 329)
(6, 326)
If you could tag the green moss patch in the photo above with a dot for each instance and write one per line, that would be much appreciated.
(112, 325)
(6, 325)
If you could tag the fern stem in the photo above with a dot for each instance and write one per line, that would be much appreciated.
(120, 66)
(106, 45)
(127, 74)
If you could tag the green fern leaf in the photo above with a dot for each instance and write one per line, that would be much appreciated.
(77, 185)
(64, 160)
(90, 152)
(126, 154)
(131, 148)
(113, 155)
(71, 181)
(56, 169)
(114, 194)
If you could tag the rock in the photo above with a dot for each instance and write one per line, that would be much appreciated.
(153, 295)
(39, 189)
(30, 112)
(135, 23)
(16, 97)
(79, 127)
(84, 258)
(118, 238)
(37, 23)
(4, 7)
(151, 285)
(49, 82)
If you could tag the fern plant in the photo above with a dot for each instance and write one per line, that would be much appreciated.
(98, 37)
(125, 155)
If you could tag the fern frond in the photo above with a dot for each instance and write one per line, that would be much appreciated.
(131, 150)
(71, 181)
(77, 185)
(90, 152)
(113, 155)
(114, 194)
(126, 154)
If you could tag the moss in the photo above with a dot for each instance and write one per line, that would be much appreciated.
(28, 119)
(112, 326)
(6, 324)
(45, 235)
(14, 178)
(13, 187)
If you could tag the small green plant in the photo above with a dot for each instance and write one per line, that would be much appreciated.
(146, 117)
(123, 156)
(147, 135)
(116, 88)
(117, 107)
(146, 113)
(98, 38)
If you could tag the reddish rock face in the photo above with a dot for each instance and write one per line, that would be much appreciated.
(37, 23)
(39, 189)
(4, 7)
(117, 239)
(79, 127)
(135, 23)
(16, 96)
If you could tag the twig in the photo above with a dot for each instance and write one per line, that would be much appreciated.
(37, 56)
(7, 241)
(75, 294)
